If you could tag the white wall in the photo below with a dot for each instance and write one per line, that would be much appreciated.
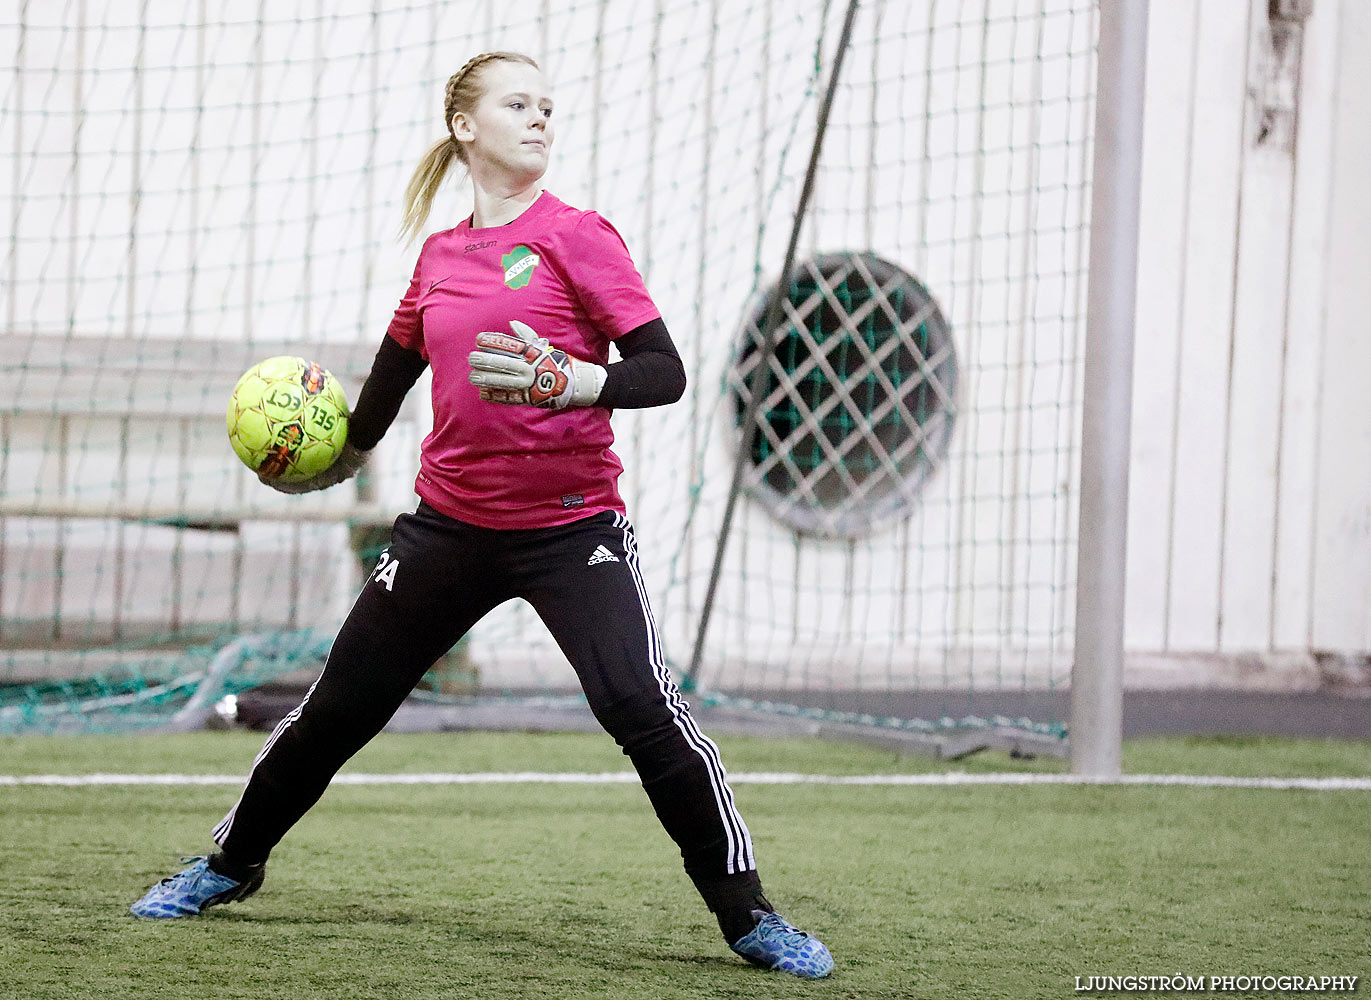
(239, 183)
(1248, 516)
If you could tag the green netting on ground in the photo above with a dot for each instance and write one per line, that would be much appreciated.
(173, 690)
(193, 189)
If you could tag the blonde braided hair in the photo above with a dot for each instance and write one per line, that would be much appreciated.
(462, 92)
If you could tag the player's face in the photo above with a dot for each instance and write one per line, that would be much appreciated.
(510, 129)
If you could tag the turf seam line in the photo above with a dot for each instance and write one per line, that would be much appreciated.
(741, 778)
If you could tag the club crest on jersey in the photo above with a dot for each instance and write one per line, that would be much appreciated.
(519, 264)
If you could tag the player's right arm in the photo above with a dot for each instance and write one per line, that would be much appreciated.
(399, 362)
(397, 366)
(394, 371)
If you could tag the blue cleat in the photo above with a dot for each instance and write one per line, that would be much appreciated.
(188, 892)
(776, 944)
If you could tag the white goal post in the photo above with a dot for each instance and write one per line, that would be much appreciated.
(1097, 674)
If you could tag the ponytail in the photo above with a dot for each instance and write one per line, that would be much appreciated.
(460, 94)
(423, 186)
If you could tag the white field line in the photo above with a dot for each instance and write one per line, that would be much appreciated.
(742, 778)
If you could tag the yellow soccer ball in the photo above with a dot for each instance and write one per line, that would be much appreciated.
(287, 419)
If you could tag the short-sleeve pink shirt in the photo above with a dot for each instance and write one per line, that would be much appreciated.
(567, 274)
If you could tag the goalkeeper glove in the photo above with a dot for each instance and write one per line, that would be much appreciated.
(348, 463)
(526, 369)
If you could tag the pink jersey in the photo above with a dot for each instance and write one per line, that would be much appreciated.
(566, 273)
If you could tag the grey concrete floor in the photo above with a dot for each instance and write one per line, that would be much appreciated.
(1198, 711)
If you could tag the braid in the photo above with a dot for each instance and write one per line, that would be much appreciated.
(450, 93)
(453, 94)
(461, 94)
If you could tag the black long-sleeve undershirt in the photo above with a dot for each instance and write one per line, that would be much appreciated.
(650, 374)
(393, 373)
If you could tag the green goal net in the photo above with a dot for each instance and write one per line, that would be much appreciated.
(191, 188)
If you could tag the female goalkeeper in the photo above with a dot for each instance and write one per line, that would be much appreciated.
(514, 309)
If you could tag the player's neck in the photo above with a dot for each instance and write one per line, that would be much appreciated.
(495, 206)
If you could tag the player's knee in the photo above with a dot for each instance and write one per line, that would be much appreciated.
(639, 721)
(333, 731)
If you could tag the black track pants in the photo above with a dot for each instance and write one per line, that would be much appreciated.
(437, 579)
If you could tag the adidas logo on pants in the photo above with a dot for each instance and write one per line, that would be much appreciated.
(600, 555)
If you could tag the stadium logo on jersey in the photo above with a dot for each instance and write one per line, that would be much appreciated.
(519, 264)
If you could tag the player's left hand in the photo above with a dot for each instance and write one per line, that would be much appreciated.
(525, 369)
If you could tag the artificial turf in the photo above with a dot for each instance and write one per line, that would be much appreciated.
(541, 890)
